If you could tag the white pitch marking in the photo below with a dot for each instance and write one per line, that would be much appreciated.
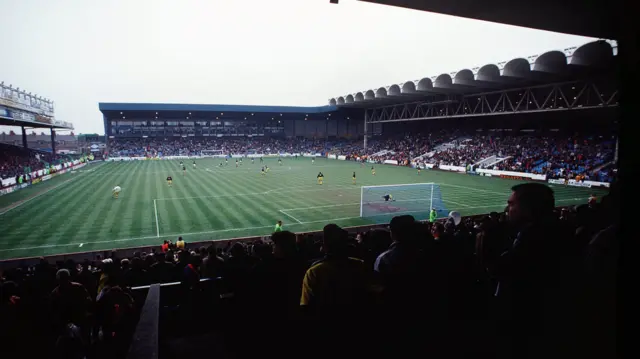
(290, 216)
(155, 209)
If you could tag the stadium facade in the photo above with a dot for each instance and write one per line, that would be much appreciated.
(27, 111)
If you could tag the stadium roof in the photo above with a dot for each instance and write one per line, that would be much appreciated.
(600, 19)
(593, 59)
(41, 123)
(196, 111)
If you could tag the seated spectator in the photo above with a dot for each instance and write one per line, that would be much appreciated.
(277, 282)
(115, 317)
(163, 271)
(212, 264)
(137, 275)
(71, 304)
(335, 285)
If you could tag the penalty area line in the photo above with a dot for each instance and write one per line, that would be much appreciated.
(290, 216)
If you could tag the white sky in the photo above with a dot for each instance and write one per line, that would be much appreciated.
(255, 52)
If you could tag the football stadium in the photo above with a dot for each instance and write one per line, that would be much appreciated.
(187, 228)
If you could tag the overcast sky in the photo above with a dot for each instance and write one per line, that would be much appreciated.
(257, 52)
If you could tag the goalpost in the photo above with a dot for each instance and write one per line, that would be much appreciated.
(416, 199)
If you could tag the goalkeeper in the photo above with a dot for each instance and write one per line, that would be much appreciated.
(388, 197)
(320, 177)
(116, 191)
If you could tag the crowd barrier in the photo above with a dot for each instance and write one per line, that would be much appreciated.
(585, 184)
(458, 169)
(512, 175)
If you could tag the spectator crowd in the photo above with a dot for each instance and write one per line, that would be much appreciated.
(147, 147)
(532, 281)
(556, 157)
(15, 161)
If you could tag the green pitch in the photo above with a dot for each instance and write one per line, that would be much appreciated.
(76, 212)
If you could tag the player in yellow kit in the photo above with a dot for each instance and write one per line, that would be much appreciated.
(373, 171)
(169, 181)
(354, 178)
(320, 177)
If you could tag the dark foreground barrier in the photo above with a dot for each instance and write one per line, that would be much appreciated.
(145, 341)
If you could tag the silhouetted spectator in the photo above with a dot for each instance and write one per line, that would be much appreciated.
(536, 277)
(71, 303)
(212, 264)
(335, 285)
(162, 271)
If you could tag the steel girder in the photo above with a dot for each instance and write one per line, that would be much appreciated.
(574, 95)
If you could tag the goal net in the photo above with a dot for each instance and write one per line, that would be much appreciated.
(416, 199)
(211, 153)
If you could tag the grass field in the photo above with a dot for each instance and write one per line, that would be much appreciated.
(75, 212)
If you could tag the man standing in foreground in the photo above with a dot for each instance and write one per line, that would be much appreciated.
(536, 279)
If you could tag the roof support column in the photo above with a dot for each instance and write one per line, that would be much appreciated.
(53, 141)
(326, 130)
(366, 116)
(24, 137)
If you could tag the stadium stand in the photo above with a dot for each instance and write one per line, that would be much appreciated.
(16, 161)
(555, 155)
(372, 293)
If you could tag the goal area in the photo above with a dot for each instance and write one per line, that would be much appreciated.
(416, 199)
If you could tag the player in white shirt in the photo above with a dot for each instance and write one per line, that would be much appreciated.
(116, 191)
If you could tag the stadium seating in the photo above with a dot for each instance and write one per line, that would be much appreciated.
(15, 160)
(554, 156)
(443, 283)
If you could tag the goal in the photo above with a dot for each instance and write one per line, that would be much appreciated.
(211, 153)
(416, 199)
